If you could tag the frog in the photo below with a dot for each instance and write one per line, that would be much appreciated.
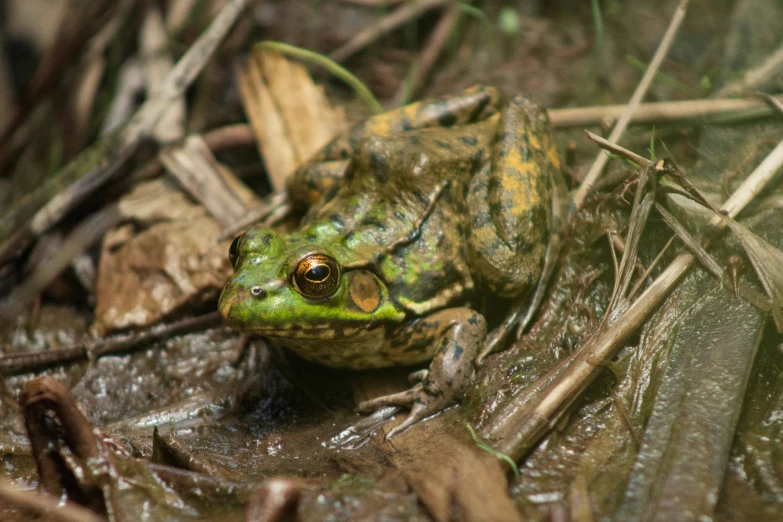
(410, 219)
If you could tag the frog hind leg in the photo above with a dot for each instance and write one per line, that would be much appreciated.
(322, 172)
(510, 202)
(457, 335)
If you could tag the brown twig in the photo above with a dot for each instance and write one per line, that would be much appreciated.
(757, 76)
(659, 112)
(432, 50)
(387, 24)
(641, 90)
(229, 136)
(16, 363)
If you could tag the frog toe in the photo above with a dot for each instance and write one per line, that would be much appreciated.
(418, 376)
(405, 398)
(425, 406)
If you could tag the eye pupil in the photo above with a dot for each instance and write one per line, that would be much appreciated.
(318, 273)
(317, 276)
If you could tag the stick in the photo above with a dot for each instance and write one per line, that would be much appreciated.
(385, 25)
(641, 90)
(660, 112)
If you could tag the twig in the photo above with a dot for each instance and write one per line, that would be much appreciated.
(771, 100)
(756, 77)
(620, 151)
(83, 236)
(641, 90)
(432, 50)
(229, 136)
(659, 112)
(184, 72)
(387, 24)
(16, 363)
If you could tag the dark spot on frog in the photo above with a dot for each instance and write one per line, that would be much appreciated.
(448, 119)
(379, 167)
(414, 140)
(493, 184)
(337, 221)
(266, 238)
(468, 140)
(373, 222)
(474, 115)
(399, 216)
(443, 145)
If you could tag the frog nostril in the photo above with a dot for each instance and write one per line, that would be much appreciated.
(258, 292)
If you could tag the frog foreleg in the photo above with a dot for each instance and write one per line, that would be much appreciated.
(455, 335)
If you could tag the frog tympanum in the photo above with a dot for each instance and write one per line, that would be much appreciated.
(437, 204)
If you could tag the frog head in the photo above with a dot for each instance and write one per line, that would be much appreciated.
(294, 287)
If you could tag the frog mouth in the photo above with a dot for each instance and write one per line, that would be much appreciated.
(326, 331)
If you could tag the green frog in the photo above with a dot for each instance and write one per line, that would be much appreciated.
(411, 217)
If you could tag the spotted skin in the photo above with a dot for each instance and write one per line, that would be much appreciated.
(409, 214)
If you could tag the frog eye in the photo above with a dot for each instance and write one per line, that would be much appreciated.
(233, 251)
(317, 276)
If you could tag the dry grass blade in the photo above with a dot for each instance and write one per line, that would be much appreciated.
(389, 23)
(82, 237)
(429, 56)
(767, 261)
(754, 298)
(771, 100)
(662, 112)
(208, 181)
(641, 90)
(756, 77)
(643, 201)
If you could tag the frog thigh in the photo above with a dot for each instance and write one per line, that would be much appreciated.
(453, 337)
(510, 201)
(474, 104)
(310, 183)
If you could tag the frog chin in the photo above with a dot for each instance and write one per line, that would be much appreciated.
(322, 331)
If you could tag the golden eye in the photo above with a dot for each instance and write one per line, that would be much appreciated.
(233, 251)
(317, 276)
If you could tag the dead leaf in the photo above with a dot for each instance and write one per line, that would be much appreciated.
(290, 115)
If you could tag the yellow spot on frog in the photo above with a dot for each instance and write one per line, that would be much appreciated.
(364, 291)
